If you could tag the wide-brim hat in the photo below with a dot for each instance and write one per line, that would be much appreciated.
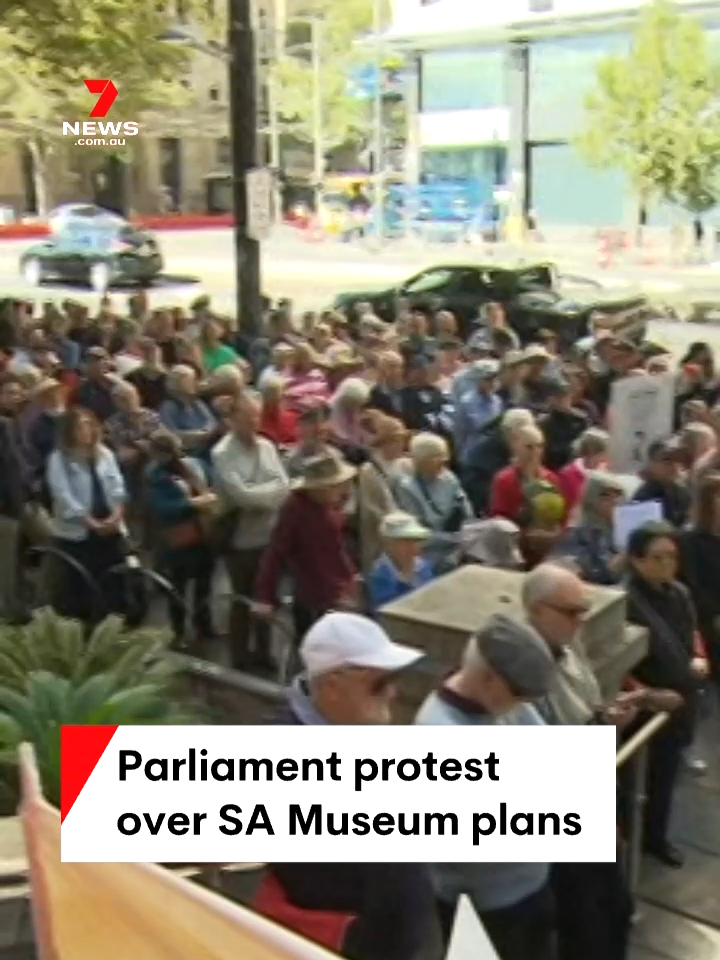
(323, 471)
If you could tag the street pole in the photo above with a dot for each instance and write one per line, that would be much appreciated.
(316, 45)
(244, 140)
(378, 132)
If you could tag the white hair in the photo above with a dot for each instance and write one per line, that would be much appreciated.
(472, 660)
(519, 417)
(423, 446)
(353, 391)
(542, 582)
(227, 373)
(272, 383)
(592, 441)
(178, 373)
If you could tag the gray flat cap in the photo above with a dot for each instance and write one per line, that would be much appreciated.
(518, 654)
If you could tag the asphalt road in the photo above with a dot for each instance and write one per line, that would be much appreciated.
(312, 273)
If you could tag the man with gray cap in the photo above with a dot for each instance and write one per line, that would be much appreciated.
(506, 665)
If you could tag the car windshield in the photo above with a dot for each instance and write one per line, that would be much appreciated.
(534, 277)
(96, 236)
(428, 281)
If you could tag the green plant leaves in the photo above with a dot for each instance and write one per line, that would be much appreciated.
(51, 675)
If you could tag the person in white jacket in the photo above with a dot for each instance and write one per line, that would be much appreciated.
(252, 485)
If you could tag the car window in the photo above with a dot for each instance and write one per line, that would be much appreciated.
(471, 283)
(535, 277)
(86, 237)
(428, 281)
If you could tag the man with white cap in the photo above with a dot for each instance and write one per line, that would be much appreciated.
(350, 664)
(506, 665)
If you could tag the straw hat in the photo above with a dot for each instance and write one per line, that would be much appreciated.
(46, 385)
(325, 470)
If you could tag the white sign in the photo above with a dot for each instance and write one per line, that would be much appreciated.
(493, 794)
(259, 187)
(630, 516)
(641, 412)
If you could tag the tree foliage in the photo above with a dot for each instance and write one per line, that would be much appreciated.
(655, 112)
(342, 27)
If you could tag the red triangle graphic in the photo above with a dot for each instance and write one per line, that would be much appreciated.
(80, 750)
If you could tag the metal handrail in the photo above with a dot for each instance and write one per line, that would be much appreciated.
(640, 739)
(635, 753)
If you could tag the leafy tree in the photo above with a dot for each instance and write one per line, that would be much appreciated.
(342, 26)
(49, 47)
(654, 112)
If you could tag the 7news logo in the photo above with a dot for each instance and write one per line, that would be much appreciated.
(106, 92)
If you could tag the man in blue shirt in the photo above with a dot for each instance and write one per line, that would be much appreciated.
(506, 665)
(477, 406)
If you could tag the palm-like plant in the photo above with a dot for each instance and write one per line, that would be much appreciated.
(49, 701)
(61, 647)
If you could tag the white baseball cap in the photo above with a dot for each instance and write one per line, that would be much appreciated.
(340, 640)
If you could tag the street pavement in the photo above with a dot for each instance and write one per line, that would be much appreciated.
(311, 274)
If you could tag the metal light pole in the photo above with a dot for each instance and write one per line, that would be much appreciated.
(244, 141)
(378, 148)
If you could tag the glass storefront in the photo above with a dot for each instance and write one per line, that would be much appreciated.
(562, 73)
(486, 164)
(463, 79)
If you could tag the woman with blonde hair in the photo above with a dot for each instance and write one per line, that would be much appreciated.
(346, 415)
(377, 479)
(87, 494)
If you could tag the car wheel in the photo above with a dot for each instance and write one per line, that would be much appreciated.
(100, 277)
(33, 272)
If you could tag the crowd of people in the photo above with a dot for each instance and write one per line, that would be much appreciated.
(343, 463)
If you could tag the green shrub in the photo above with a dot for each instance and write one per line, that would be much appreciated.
(36, 715)
(61, 647)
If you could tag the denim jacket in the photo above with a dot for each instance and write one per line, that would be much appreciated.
(71, 490)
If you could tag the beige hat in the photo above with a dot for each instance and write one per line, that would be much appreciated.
(536, 352)
(324, 470)
(402, 526)
(45, 386)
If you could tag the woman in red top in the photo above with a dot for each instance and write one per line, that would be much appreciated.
(530, 495)
(277, 421)
(591, 451)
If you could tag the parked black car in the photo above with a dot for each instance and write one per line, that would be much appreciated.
(527, 291)
(99, 251)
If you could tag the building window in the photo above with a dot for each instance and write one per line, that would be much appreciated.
(562, 73)
(223, 152)
(463, 79)
(214, 94)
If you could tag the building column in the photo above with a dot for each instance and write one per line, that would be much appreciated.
(518, 90)
(413, 147)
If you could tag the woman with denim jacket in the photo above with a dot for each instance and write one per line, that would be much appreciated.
(589, 545)
(87, 495)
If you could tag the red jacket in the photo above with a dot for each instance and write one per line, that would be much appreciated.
(279, 424)
(308, 542)
(507, 498)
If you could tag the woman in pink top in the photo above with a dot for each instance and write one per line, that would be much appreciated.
(591, 451)
(305, 385)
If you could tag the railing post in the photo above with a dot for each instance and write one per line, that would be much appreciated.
(638, 781)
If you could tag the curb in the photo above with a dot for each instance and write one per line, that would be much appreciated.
(36, 231)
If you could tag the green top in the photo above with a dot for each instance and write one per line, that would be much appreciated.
(218, 356)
